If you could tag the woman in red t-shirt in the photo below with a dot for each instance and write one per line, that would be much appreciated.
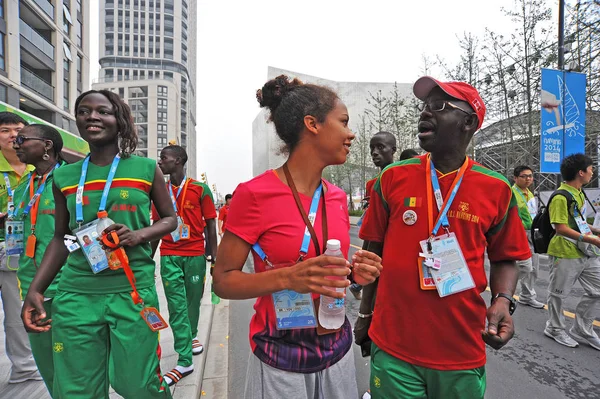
(303, 362)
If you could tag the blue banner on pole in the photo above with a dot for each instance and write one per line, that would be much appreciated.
(563, 117)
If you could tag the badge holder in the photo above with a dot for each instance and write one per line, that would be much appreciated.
(293, 310)
(87, 237)
(447, 264)
(176, 234)
(588, 249)
(14, 243)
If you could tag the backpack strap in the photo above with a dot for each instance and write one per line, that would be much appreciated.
(570, 201)
(589, 202)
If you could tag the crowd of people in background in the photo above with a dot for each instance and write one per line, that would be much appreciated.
(77, 271)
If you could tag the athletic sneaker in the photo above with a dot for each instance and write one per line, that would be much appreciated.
(367, 395)
(531, 302)
(197, 347)
(592, 341)
(561, 337)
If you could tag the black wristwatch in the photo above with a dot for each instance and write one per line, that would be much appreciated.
(513, 304)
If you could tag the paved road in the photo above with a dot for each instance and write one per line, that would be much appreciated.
(531, 366)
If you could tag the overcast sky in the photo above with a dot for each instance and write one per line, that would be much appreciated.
(344, 40)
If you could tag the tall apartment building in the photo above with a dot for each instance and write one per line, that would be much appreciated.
(44, 57)
(148, 56)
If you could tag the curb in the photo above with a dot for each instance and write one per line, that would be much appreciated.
(192, 388)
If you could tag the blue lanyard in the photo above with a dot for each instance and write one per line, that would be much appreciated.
(13, 213)
(37, 194)
(174, 198)
(314, 205)
(442, 218)
(80, 187)
(7, 181)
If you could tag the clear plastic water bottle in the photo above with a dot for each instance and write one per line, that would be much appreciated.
(103, 222)
(332, 311)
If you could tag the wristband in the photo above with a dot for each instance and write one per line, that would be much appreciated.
(365, 316)
(580, 239)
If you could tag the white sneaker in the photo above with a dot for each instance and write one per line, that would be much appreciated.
(534, 303)
(561, 337)
(367, 395)
(592, 341)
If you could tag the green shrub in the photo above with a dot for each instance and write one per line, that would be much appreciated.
(357, 212)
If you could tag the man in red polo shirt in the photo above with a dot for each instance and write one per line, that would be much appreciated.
(182, 261)
(223, 214)
(432, 218)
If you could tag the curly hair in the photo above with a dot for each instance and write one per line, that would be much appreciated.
(127, 130)
(290, 101)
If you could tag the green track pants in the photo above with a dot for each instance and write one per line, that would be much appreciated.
(41, 347)
(183, 279)
(93, 332)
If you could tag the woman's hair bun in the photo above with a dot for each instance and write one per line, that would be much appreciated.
(273, 91)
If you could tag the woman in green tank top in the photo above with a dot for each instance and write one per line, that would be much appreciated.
(99, 314)
(40, 146)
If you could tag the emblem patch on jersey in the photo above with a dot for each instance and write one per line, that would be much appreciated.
(124, 194)
(47, 202)
(58, 347)
(463, 206)
(195, 279)
(413, 202)
(377, 382)
(409, 217)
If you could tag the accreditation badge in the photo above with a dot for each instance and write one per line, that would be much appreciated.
(14, 237)
(453, 275)
(87, 236)
(176, 234)
(292, 309)
(532, 207)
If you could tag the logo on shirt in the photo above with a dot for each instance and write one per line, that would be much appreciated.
(124, 194)
(47, 202)
(195, 279)
(377, 382)
(58, 347)
(463, 213)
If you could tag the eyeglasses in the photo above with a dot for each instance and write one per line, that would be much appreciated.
(526, 176)
(19, 140)
(438, 106)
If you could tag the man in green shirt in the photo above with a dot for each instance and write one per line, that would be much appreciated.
(18, 349)
(569, 263)
(527, 204)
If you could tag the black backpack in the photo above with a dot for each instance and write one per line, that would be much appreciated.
(541, 228)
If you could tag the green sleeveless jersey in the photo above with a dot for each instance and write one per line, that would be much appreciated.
(44, 231)
(128, 203)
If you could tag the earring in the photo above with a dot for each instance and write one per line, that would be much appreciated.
(45, 157)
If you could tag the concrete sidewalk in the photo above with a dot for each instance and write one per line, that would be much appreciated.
(188, 388)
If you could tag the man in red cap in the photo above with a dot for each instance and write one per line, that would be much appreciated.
(431, 218)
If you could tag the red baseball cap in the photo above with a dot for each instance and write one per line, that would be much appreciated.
(459, 90)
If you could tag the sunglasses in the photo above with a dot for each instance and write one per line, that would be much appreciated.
(21, 139)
